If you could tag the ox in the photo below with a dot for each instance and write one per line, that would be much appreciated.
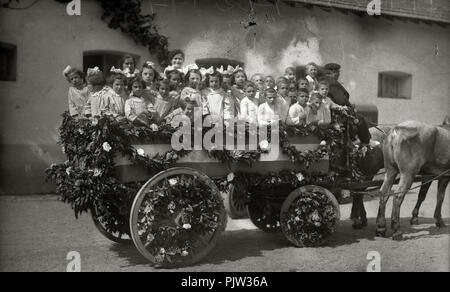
(411, 148)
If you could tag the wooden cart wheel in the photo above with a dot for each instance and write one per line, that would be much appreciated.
(317, 225)
(235, 202)
(265, 216)
(122, 238)
(160, 236)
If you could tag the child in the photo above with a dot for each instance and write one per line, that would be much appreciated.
(311, 76)
(303, 84)
(137, 110)
(117, 100)
(239, 79)
(292, 86)
(214, 95)
(99, 96)
(249, 104)
(297, 112)
(128, 65)
(149, 75)
(166, 101)
(267, 112)
(290, 74)
(191, 94)
(176, 58)
(175, 78)
(323, 89)
(316, 112)
(269, 81)
(78, 92)
(258, 79)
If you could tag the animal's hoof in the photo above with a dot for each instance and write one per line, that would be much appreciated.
(414, 221)
(397, 236)
(357, 224)
(364, 223)
(381, 232)
(440, 224)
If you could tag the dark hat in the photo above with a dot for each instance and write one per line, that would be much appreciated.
(332, 66)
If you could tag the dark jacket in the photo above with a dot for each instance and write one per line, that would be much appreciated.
(338, 93)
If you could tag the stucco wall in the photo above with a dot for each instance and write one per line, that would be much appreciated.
(48, 40)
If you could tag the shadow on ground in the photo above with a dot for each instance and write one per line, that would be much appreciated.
(240, 244)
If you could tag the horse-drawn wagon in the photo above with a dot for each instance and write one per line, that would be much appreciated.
(176, 214)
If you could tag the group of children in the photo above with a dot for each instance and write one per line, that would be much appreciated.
(146, 94)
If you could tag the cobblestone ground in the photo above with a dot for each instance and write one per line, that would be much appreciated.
(37, 232)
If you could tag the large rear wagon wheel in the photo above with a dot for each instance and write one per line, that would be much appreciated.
(235, 201)
(309, 216)
(177, 217)
(118, 237)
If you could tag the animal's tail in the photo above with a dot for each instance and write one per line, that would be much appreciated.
(402, 133)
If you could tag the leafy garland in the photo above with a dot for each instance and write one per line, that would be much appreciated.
(310, 219)
(187, 209)
(87, 179)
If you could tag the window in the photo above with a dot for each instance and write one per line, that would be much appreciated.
(217, 62)
(8, 62)
(394, 84)
(104, 60)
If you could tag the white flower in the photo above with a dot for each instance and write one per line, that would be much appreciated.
(300, 177)
(315, 216)
(162, 251)
(141, 152)
(230, 177)
(323, 143)
(154, 127)
(94, 122)
(187, 226)
(264, 145)
(173, 181)
(184, 253)
(337, 127)
(69, 170)
(97, 172)
(81, 131)
(150, 238)
(107, 147)
(297, 219)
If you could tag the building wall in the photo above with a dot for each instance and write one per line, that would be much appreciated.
(48, 40)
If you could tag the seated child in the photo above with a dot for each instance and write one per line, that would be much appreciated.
(214, 95)
(191, 94)
(282, 101)
(166, 101)
(149, 75)
(303, 84)
(323, 89)
(117, 100)
(297, 111)
(137, 109)
(269, 81)
(78, 92)
(290, 74)
(267, 112)
(249, 104)
(316, 112)
(311, 76)
(175, 78)
(100, 95)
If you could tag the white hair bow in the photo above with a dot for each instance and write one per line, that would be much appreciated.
(189, 68)
(150, 64)
(94, 70)
(116, 70)
(67, 70)
(205, 71)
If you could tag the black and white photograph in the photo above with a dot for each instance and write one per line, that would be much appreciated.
(231, 136)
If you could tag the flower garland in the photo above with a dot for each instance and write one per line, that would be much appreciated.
(310, 219)
(87, 178)
(173, 214)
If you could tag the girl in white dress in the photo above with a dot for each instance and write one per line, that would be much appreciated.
(78, 92)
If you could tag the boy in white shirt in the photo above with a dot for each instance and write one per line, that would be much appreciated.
(297, 112)
(267, 112)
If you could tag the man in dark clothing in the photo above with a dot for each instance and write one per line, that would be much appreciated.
(340, 96)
